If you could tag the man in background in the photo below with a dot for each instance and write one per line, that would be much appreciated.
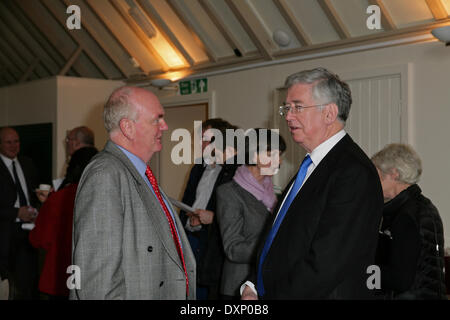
(78, 138)
(18, 180)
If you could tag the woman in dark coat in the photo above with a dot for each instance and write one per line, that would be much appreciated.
(244, 206)
(411, 245)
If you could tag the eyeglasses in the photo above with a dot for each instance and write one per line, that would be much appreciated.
(284, 109)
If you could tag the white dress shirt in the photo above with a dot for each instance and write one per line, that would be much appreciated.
(204, 190)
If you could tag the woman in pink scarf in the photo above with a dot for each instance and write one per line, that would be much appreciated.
(244, 205)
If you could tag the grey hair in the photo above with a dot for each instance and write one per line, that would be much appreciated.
(118, 107)
(84, 135)
(401, 157)
(327, 88)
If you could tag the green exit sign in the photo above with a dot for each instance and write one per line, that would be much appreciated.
(193, 86)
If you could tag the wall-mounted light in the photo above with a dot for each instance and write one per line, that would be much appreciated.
(442, 34)
(163, 84)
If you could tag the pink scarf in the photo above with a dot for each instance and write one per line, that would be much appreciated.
(263, 192)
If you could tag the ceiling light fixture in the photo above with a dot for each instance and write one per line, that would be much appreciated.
(141, 19)
(281, 38)
(160, 83)
(442, 34)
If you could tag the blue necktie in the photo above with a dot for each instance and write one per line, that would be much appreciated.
(290, 197)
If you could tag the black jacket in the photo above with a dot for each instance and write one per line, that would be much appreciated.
(411, 248)
(328, 237)
(209, 249)
(8, 214)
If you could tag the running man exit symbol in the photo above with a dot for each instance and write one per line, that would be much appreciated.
(193, 86)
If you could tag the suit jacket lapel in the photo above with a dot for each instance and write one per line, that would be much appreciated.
(5, 172)
(151, 203)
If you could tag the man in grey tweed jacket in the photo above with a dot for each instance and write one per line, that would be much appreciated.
(122, 241)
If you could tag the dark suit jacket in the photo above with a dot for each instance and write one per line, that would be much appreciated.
(8, 213)
(329, 234)
(208, 250)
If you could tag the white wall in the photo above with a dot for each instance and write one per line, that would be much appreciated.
(66, 102)
(245, 99)
(80, 103)
(28, 103)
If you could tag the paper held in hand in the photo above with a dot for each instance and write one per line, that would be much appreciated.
(181, 205)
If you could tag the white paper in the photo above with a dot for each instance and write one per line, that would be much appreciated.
(181, 205)
(28, 226)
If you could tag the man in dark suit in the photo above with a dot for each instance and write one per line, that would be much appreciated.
(324, 233)
(202, 228)
(18, 179)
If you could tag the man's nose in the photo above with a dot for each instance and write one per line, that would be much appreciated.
(163, 125)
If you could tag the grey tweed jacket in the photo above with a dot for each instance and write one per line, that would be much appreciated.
(122, 241)
(241, 219)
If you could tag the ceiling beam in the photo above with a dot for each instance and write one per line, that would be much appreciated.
(25, 42)
(12, 55)
(437, 9)
(293, 22)
(122, 8)
(125, 35)
(335, 20)
(10, 67)
(71, 61)
(105, 40)
(216, 18)
(50, 59)
(29, 71)
(253, 26)
(201, 41)
(165, 30)
(58, 36)
(386, 19)
(17, 47)
(82, 38)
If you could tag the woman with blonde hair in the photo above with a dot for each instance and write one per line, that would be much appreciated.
(411, 245)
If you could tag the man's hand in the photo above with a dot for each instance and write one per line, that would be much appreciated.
(26, 214)
(205, 216)
(42, 195)
(193, 219)
(248, 294)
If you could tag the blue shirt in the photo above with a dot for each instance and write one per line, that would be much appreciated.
(141, 167)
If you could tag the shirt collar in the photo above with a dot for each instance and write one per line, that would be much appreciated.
(322, 150)
(7, 160)
(140, 165)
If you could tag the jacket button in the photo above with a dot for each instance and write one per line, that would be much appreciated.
(150, 249)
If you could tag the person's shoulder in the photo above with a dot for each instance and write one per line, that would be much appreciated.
(230, 187)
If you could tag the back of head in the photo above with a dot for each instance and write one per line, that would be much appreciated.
(84, 135)
(118, 107)
(328, 87)
(78, 162)
(401, 157)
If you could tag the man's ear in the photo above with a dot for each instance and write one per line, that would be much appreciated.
(127, 128)
(331, 113)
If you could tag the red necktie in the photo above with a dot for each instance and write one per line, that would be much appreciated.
(154, 184)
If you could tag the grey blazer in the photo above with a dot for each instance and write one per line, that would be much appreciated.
(241, 219)
(121, 237)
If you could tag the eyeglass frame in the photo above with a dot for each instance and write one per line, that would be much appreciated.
(298, 108)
